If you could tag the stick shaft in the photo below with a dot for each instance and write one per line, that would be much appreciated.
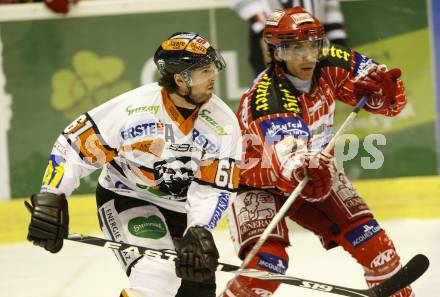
(293, 196)
(409, 273)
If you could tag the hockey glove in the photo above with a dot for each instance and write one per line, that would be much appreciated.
(319, 168)
(197, 255)
(293, 160)
(49, 222)
(386, 93)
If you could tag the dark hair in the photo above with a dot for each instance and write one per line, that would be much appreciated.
(271, 48)
(167, 81)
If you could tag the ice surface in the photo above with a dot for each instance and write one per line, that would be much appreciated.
(88, 271)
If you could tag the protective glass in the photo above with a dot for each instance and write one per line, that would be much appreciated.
(300, 49)
(204, 70)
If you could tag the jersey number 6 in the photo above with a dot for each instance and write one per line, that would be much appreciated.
(225, 172)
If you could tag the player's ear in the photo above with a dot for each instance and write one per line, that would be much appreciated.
(276, 54)
(179, 80)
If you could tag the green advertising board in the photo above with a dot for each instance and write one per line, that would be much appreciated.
(56, 69)
(395, 33)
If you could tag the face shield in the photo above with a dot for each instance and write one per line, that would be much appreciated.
(309, 48)
(205, 69)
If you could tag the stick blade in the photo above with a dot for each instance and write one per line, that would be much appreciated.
(404, 277)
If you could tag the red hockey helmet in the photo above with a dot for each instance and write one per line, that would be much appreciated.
(291, 25)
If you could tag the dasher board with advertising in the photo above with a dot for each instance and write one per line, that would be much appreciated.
(55, 68)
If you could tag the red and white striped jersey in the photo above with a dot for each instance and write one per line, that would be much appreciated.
(273, 108)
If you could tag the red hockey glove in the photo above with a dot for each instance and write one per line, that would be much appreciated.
(319, 168)
(386, 93)
(292, 160)
(59, 6)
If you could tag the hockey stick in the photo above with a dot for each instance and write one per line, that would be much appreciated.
(404, 277)
(294, 195)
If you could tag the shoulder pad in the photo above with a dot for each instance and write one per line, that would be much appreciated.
(336, 56)
(270, 96)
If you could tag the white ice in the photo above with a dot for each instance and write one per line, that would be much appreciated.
(81, 270)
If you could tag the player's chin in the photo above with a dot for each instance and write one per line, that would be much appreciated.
(306, 73)
(207, 96)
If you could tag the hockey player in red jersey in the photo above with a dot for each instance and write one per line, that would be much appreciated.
(286, 120)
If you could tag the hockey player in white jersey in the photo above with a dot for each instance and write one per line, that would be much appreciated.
(170, 154)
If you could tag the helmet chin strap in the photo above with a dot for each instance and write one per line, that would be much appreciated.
(187, 96)
(187, 80)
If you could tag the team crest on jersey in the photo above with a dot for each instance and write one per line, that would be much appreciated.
(175, 175)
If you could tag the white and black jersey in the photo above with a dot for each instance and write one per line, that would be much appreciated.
(148, 150)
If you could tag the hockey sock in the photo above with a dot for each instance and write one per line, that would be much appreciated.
(368, 243)
(271, 257)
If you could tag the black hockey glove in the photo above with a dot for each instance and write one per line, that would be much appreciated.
(49, 222)
(197, 255)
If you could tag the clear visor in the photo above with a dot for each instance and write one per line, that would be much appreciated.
(206, 70)
(312, 48)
